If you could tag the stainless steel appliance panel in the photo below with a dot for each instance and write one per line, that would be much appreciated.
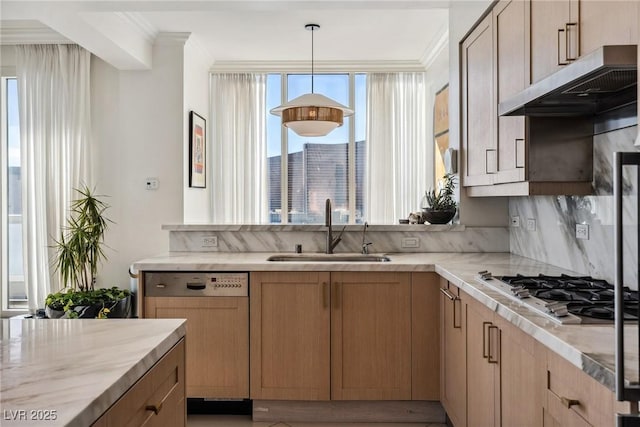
(196, 284)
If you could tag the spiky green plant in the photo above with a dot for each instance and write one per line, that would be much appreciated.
(443, 199)
(80, 247)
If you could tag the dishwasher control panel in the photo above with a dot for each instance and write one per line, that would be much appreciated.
(196, 284)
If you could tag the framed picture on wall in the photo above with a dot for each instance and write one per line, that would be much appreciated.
(197, 150)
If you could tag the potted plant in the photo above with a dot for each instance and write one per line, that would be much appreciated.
(79, 251)
(440, 207)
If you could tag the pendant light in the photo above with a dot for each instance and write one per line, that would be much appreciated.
(312, 114)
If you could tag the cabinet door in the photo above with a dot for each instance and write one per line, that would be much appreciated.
(522, 376)
(608, 23)
(482, 359)
(371, 336)
(453, 382)
(511, 36)
(217, 342)
(478, 106)
(425, 336)
(553, 36)
(157, 399)
(290, 335)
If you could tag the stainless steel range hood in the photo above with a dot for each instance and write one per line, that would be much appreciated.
(599, 82)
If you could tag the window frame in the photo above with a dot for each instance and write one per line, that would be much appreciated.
(284, 145)
(6, 73)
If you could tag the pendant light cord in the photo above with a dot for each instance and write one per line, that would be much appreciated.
(312, 31)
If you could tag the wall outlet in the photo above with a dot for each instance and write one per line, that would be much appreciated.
(515, 221)
(209, 241)
(582, 231)
(152, 183)
(410, 242)
(531, 224)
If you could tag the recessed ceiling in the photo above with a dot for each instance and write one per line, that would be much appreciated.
(241, 30)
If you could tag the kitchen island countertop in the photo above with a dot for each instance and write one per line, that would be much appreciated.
(588, 347)
(68, 372)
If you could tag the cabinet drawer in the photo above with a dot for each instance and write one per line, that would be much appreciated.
(157, 399)
(569, 386)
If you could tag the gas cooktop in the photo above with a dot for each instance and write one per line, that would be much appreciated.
(565, 299)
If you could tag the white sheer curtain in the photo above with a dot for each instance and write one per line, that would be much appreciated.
(53, 97)
(238, 139)
(399, 145)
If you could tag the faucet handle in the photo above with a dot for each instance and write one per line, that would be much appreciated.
(365, 248)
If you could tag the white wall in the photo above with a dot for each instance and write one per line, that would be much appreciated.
(138, 128)
(474, 211)
(197, 201)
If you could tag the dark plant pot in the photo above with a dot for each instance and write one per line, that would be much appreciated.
(117, 309)
(53, 313)
(121, 308)
(438, 216)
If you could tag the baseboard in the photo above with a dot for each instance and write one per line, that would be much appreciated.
(411, 411)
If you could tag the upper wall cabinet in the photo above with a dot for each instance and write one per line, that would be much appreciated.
(516, 43)
(563, 30)
(479, 154)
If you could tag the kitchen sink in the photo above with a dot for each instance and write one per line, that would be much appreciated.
(328, 258)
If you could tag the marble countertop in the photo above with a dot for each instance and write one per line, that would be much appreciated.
(589, 347)
(68, 372)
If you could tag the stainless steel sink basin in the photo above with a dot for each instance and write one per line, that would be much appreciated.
(328, 258)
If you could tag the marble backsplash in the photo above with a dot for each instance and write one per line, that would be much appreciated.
(384, 239)
(554, 240)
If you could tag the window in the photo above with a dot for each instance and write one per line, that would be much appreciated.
(316, 169)
(13, 285)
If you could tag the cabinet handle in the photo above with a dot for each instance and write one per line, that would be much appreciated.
(456, 300)
(336, 296)
(486, 344)
(491, 359)
(325, 295)
(568, 403)
(453, 299)
(560, 31)
(155, 408)
(447, 294)
(568, 39)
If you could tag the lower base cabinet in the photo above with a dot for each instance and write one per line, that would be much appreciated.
(157, 399)
(344, 336)
(494, 374)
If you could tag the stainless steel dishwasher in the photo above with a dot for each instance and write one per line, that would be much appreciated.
(216, 306)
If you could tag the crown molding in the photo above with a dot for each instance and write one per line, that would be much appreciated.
(140, 24)
(31, 35)
(434, 50)
(175, 38)
(319, 66)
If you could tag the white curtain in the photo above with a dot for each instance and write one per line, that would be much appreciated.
(238, 138)
(53, 97)
(399, 145)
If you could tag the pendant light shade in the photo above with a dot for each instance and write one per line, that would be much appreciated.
(312, 114)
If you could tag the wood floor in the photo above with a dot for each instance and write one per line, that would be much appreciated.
(194, 420)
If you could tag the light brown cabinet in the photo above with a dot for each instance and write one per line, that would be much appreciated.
(564, 30)
(491, 372)
(479, 154)
(370, 336)
(516, 156)
(572, 398)
(353, 328)
(504, 378)
(453, 379)
(512, 75)
(217, 342)
(290, 335)
(157, 399)
(483, 366)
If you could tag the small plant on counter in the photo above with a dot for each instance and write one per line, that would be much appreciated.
(79, 251)
(440, 207)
